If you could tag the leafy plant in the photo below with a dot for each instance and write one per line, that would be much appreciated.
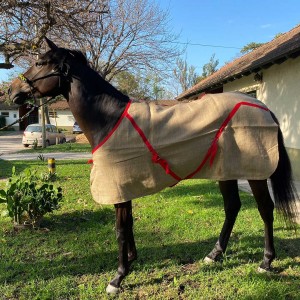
(35, 144)
(29, 197)
(41, 157)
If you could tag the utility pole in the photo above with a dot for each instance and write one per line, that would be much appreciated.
(43, 124)
(42, 107)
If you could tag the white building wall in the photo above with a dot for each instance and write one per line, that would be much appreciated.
(280, 90)
(13, 116)
(64, 119)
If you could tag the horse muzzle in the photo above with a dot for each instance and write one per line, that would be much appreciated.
(17, 97)
(19, 92)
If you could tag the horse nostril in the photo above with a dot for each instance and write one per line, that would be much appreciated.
(9, 91)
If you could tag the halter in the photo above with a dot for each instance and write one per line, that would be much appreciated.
(57, 71)
(33, 88)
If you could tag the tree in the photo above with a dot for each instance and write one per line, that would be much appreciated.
(24, 24)
(132, 36)
(210, 67)
(184, 74)
(250, 47)
(116, 35)
(278, 35)
(127, 84)
(146, 86)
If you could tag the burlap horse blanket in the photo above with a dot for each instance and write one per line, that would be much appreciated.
(220, 136)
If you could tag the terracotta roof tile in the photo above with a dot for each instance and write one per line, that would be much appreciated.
(60, 105)
(276, 51)
(7, 106)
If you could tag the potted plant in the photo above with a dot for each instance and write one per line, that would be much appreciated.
(29, 197)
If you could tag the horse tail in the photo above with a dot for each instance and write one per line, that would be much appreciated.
(284, 190)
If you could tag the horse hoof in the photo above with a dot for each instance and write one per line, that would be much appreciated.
(262, 270)
(208, 260)
(112, 289)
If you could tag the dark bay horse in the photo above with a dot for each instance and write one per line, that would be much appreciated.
(98, 106)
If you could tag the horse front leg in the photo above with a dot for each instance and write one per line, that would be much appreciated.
(132, 253)
(127, 249)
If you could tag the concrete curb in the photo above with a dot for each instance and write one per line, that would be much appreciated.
(56, 155)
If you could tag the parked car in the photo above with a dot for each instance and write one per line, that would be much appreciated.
(76, 128)
(33, 135)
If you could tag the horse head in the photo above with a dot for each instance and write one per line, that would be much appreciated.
(47, 77)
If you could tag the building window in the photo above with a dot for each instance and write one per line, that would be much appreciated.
(53, 114)
(15, 116)
(5, 114)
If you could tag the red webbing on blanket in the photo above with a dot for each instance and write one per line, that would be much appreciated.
(155, 156)
(212, 151)
(114, 128)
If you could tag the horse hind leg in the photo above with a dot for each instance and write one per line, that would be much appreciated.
(232, 205)
(265, 207)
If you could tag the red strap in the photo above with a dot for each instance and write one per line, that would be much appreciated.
(115, 127)
(155, 157)
(212, 151)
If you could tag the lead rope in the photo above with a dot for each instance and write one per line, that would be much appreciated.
(30, 83)
(27, 114)
(23, 78)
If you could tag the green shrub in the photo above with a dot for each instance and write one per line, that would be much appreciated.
(29, 197)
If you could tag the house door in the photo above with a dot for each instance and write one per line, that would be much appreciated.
(32, 118)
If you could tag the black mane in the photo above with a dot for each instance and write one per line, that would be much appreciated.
(78, 55)
(61, 54)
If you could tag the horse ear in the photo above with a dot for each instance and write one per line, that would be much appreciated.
(51, 45)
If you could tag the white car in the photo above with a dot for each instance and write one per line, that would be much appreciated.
(33, 135)
(76, 128)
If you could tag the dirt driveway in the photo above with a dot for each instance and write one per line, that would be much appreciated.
(10, 141)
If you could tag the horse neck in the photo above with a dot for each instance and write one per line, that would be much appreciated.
(96, 105)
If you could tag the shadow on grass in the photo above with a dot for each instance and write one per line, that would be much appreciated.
(158, 257)
(80, 220)
(193, 189)
(84, 243)
(205, 194)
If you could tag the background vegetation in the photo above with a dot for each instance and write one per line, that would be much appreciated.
(75, 255)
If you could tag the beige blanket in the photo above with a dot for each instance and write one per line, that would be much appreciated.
(221, 136)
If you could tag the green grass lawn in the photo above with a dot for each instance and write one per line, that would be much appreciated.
(174, 231)
(66, 147)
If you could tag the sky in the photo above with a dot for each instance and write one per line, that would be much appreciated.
(225, 25)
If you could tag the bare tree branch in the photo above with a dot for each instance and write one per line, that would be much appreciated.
(116, 35)
(24, 24)
(132, 36)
